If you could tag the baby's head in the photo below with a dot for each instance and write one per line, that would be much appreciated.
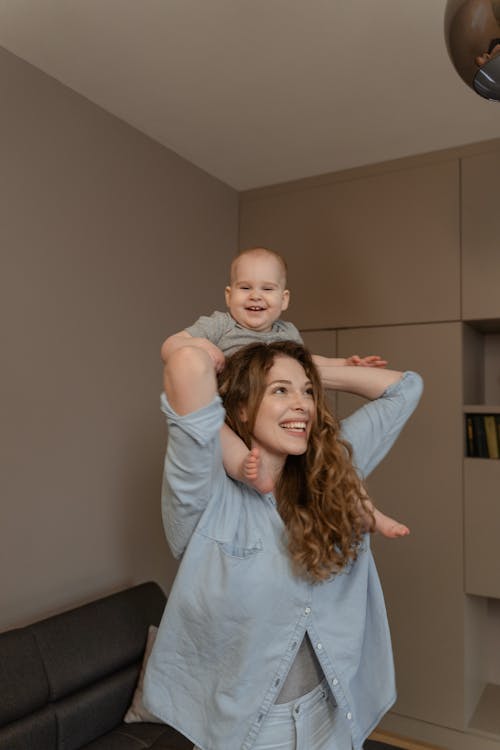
(257, 293)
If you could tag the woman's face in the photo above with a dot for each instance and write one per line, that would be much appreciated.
(286, 412)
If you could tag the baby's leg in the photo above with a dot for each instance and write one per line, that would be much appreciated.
(255, 474)
(242, 464)
(385, 525)
(388, 526)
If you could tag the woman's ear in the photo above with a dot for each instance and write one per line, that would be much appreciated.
(243, 415)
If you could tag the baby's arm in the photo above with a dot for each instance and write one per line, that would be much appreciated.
(373, 360)
(327, 365)
(183, 338)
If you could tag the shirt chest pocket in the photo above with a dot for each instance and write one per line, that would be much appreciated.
(235, 529)
(231, 549)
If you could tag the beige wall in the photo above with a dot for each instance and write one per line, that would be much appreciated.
(108, 242)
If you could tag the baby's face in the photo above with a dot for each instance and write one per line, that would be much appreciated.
(257, 295)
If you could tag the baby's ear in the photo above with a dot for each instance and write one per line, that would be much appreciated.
(285, 299)
(227, 294)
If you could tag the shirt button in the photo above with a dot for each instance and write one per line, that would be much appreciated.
(307, 610)
(319, 646)
(335, 681)
(349, 715)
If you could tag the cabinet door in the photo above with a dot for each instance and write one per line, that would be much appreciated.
(419, 483)
(480, 237)
(372, 249)
(323, 343)
(482, 519)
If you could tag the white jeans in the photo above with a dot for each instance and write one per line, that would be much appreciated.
(311, 722)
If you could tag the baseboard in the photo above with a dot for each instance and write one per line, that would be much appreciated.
(417, 733)
(401, 743)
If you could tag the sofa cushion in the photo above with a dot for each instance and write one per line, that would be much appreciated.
(141, 737)
(88, 643)
(95, 710)
(23, 683)
(31, 733)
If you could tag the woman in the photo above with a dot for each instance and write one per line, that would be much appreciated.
(275, 632)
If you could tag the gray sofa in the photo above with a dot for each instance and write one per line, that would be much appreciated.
(66, 682)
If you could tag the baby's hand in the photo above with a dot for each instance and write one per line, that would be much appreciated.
(255, 474)
(372, 361)
(216, 354)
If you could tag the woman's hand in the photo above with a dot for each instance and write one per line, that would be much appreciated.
(369, 382)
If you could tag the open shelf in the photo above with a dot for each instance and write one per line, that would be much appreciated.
(486, 717)
(481, 409)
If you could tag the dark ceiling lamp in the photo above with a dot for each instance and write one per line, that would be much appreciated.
(472, 31)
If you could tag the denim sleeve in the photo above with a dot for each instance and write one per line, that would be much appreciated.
(373, 429)
(193, 471)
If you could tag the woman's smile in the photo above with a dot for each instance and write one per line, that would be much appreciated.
(295, 426)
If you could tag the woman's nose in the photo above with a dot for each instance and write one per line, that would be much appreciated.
(299, 402)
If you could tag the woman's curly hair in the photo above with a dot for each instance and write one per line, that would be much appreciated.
(320, 497)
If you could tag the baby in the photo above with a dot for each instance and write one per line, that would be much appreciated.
(256, 297)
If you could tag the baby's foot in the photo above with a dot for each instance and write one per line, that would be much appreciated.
(389, 527)
(254, 472)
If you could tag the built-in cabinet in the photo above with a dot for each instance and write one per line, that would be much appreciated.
(404, 261)
(481, 367)
(481, 394)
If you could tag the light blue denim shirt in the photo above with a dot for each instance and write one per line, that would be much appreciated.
(237, 614)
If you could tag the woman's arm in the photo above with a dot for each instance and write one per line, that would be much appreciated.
(374, 427)
(189, 379)
(183, 338)
(369, 382)
(193, 473)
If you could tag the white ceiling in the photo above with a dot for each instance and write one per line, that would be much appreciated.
(261, 91)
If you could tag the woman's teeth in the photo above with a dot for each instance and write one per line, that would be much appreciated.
(293, 425)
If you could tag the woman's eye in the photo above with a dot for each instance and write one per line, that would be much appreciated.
(279, 389)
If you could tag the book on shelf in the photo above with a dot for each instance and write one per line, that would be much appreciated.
(482, 435)
(490, 429)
